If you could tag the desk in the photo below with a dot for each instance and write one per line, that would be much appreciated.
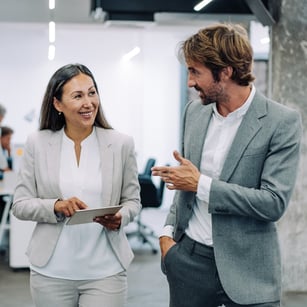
(7, 186)
(20, 232)
(20, 235)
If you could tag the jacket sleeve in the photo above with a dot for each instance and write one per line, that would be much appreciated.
(269, 201)
(26, 203)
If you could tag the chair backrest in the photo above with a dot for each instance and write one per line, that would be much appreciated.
(150, 163)
(148, 194)
(151, 196)
(160, 191)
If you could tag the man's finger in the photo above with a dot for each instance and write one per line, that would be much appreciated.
(178, 157)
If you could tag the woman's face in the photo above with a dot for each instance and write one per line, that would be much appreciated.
(79, 103)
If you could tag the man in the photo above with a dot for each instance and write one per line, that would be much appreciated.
(3, 161)
(235, 177)
(6, 137)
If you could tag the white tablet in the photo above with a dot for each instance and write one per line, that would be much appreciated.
(87, 215)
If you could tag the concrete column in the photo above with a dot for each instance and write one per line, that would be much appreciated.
(289, 86)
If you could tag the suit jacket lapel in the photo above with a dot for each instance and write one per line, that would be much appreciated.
(198, 135)
(53, 163)
(250, 125)
(106, 157)
(107, 160)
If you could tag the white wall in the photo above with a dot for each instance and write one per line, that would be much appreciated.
(140, 98)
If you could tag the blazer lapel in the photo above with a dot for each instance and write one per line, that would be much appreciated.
(53, 163)
(107, 160)
(198, 135)
(249, 127)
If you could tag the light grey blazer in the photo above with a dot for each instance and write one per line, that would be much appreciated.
(38, 189)
(253, 192)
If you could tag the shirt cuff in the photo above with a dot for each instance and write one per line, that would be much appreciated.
(203, 188)
(60, 217)
(167, 231)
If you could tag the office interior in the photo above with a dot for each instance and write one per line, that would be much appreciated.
(143, 97)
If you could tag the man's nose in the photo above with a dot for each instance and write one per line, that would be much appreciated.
(191, 82)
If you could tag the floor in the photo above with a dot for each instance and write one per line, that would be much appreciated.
(147, 285)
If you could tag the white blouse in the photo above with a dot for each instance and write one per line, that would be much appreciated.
(82, 251)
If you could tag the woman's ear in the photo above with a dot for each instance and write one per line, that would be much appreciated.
(57, 104)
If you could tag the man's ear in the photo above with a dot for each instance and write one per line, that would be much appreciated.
(226, 73)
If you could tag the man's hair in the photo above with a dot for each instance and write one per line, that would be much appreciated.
(5, 130)
(220, 46)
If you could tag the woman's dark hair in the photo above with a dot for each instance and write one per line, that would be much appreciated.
(49, 116)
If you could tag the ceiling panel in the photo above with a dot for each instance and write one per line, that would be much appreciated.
(82, 11)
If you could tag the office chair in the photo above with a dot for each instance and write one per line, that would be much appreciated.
(147, 170)
(151, 197)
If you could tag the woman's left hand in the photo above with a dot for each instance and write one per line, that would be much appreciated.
(110, 221)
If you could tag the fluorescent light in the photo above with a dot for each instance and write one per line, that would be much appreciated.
(201, 5)
(51, 4)
(128, 56)
(51, 32)
(51, 52)
(265, 40)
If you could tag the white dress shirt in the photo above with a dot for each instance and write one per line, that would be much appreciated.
(83, 251)
(219, 137)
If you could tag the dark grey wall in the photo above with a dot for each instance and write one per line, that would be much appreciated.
(289, 86)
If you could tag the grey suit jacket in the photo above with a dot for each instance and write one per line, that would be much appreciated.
(38, 189)
(252, 193)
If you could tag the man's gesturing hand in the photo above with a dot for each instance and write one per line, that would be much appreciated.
(183, 177)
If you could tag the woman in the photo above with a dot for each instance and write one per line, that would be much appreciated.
(77, 161)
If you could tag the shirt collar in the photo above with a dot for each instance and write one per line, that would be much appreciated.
(240, 112)
(87, 140)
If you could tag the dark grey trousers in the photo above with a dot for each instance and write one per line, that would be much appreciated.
(193, 278)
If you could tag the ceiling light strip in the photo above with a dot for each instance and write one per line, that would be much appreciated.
(128, 56)
(51, 49)
(51, 4)
(201, 5)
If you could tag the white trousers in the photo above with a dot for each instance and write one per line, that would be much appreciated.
(107, 292)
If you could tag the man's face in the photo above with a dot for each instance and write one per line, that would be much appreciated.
(200, 77)
(6, 141)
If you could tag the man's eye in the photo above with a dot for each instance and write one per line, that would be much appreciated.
(192, 71)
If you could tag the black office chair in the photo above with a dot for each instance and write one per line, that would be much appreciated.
(147, 170)
(151, 197)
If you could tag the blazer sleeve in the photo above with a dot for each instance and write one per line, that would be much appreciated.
(130, 190)
(277, 169)
(26, 203)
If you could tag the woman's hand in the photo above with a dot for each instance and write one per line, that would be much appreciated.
(69, 206)
(110, 221)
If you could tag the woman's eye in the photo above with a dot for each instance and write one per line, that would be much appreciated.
(92, 93)
(77, 96)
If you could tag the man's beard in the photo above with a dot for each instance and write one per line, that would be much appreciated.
(214, 94)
